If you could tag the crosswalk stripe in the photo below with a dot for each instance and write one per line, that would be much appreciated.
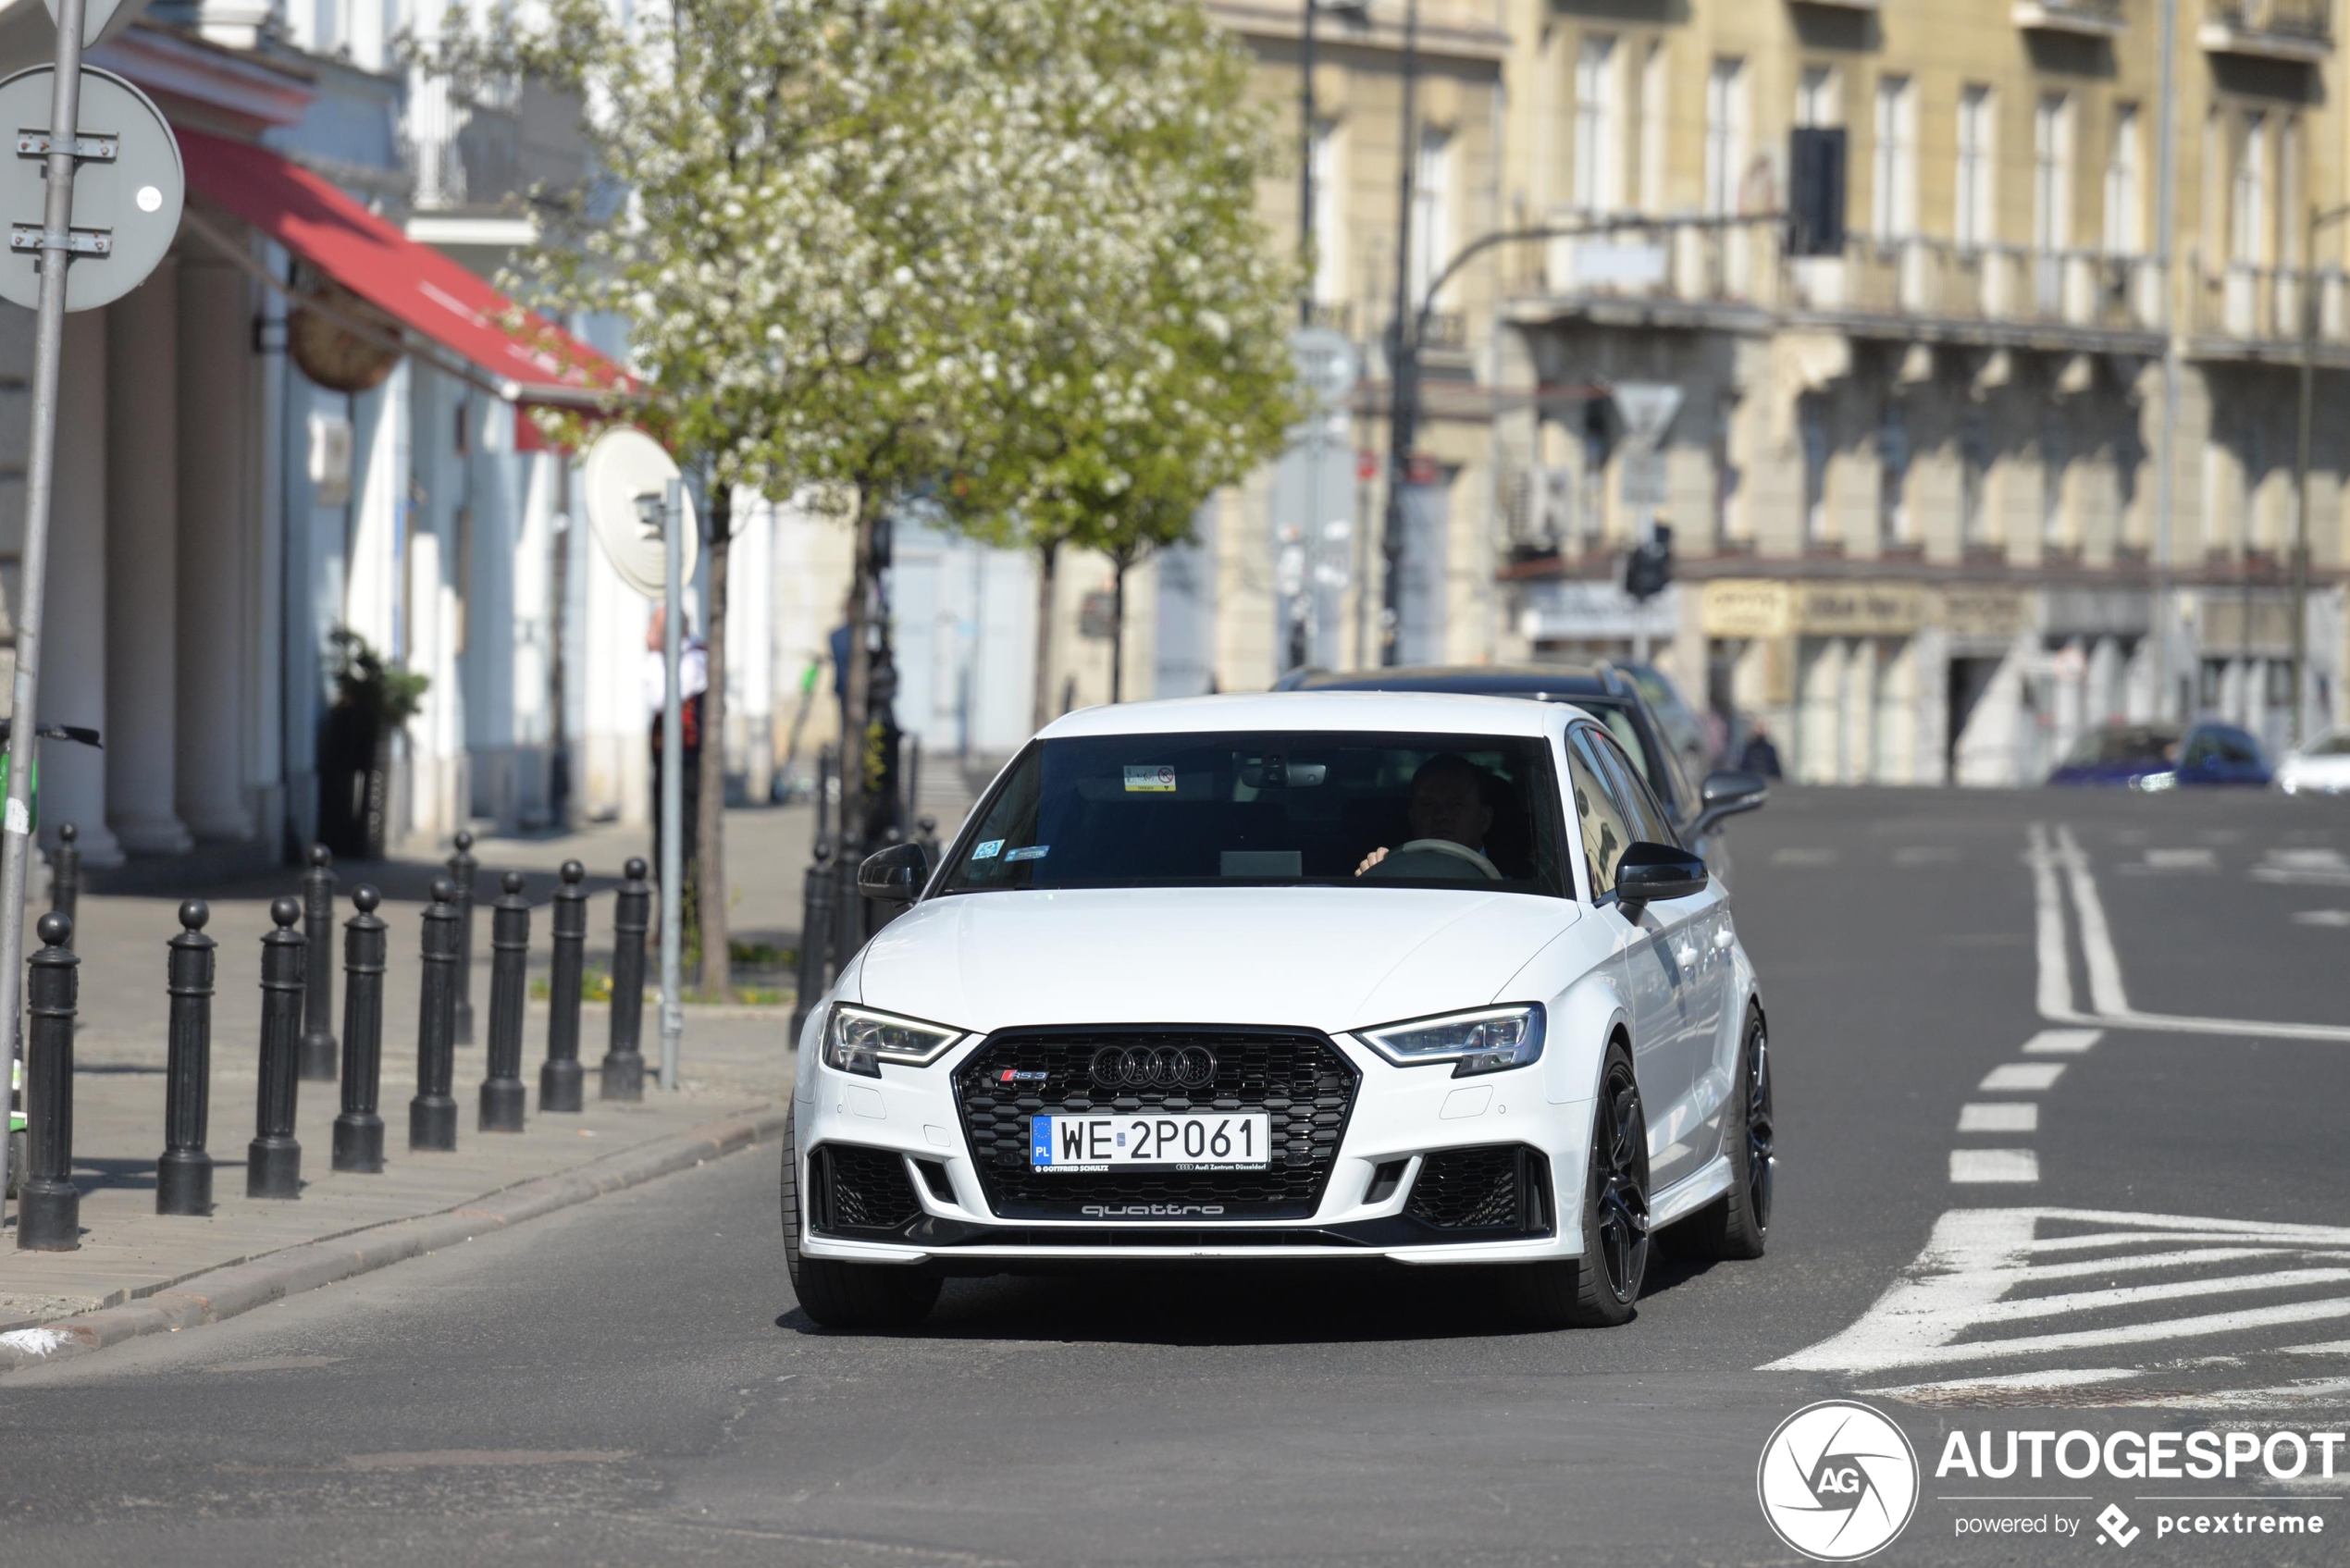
(2061, 1042)
(2000, 1116)
(2097, 1339)
(2021, 1076)
(1984, 1166)
(2134, 1295)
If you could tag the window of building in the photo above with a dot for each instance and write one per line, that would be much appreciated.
(1598, 158)
(1971, 223)
(1431, 210)
(1812, 429)
(2056, 455)
(1729, 515)
(2052, 172)
(1893, 474)
(1819, 96)
(1725, 134)
(2124, 219)
(1329, 214)
(2248, 206)
(1974, 467)
(1655, 101)
(1895, 187)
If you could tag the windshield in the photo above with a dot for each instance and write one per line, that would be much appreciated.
(2132, 744)
(1269, 809)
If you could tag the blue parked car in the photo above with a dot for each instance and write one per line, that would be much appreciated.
(2155, 757)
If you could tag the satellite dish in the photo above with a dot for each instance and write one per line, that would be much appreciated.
(628, 476)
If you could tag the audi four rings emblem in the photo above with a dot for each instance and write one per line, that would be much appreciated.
(1161, 1067)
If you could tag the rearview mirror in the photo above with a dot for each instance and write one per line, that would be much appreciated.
(1726, 792)
(894, 875)
(1648, 873)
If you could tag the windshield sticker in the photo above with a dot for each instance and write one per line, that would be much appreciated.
(989, 850)
(1150, 778)
(1032, 852)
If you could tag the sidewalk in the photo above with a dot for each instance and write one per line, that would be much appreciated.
(736, 1078)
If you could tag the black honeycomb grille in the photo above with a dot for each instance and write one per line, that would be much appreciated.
(1498, 1186)
(1296, 1076)
(864, 1189)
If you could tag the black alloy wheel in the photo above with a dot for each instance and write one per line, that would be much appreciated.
(1737, 1224)
(1620, 1174)
(1758, 1125)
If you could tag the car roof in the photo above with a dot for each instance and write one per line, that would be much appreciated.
(1568, 681)
(1441, 712)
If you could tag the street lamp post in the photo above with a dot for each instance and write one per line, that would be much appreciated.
(1404, 366)
(2319, 218)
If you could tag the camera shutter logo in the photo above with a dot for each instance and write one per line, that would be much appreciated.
(1837, 1481)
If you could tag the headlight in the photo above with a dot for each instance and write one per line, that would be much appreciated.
(859, 1040)
(1485, 1041)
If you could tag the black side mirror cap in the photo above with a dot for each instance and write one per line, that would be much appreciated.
(894, 875)
(1650, 873)
(1724, 794)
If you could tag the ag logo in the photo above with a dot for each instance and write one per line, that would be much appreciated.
(1837, 1481)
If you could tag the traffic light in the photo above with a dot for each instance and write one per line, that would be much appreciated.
(1815, 192)
(1648, 569)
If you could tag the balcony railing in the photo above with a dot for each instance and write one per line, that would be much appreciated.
(2263, 304)
(2094, 18)
(2277, 29)
(1918, 278)
(485, 148)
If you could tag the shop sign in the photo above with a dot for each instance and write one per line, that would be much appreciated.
(1979, 615)
(1749, 607)
(1860, 609)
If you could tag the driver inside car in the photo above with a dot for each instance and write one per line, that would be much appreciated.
(1452, 811)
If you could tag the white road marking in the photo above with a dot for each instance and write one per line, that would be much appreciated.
(2061, 1042)
(2330, 1347)
(2300, 1390)
(1925, 855)
(2055, 993)
(2182, 860)
(1947, 1307)
(2061, 1377)
(1803, 856)
(2005, 1116)
(2307, 859)
(2021, 1077)
(1980, 1166)
(2309, 878)
(2336, 918)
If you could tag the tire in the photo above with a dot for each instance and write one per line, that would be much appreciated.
(847, 1295)
(1737, 1224)
(1600, 1289)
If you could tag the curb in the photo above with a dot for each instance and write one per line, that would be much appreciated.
(239, 1287)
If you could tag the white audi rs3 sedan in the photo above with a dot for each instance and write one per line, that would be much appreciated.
(1425, 980)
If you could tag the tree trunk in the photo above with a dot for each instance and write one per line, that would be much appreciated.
(710, 892)
(1118, 628)
(856, 686)
(1047, 566)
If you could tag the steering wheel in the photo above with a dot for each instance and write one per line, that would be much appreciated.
(1438, 846)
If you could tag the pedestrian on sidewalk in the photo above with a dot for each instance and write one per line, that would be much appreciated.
(1758, 756)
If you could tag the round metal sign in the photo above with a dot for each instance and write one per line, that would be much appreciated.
(128, 187)
(627, 476)
(1325, 363)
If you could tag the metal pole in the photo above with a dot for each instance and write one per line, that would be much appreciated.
(273, 1160)
(560, 1077)
(673, 785)
(40, 472)
(2301, 468)
(359, 1131)
(503, 1095)
(183, 1172)
(1402, 360)
(2166, 222)
(1306, 251)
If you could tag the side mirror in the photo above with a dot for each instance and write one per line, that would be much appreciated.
(1650, 873)
(894, 875)
(1726, 792)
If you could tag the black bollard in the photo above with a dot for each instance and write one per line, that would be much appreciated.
(462, 866)
(273, 1161)
(359, 1131)
(432, 1114)
(318, 967)
(849, 905)
(64, 875)
(183, 1173)
(502, 1096)
(559, 1079)
(815, 921)
(48, 1205)
(624, 1054)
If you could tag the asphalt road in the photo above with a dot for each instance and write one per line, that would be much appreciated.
(629, 1382)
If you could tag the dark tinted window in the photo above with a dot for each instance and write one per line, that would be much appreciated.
(2228, 744)
(1271, 809)
(2133, 743)
(1597, 818)
(1648, 820)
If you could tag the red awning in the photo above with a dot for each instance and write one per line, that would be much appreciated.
(414, 284)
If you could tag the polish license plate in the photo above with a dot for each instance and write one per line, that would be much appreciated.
(1200, 1140)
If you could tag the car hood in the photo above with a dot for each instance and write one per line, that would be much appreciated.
(1317, 958)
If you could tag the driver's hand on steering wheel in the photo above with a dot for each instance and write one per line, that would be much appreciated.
(1373, 858)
